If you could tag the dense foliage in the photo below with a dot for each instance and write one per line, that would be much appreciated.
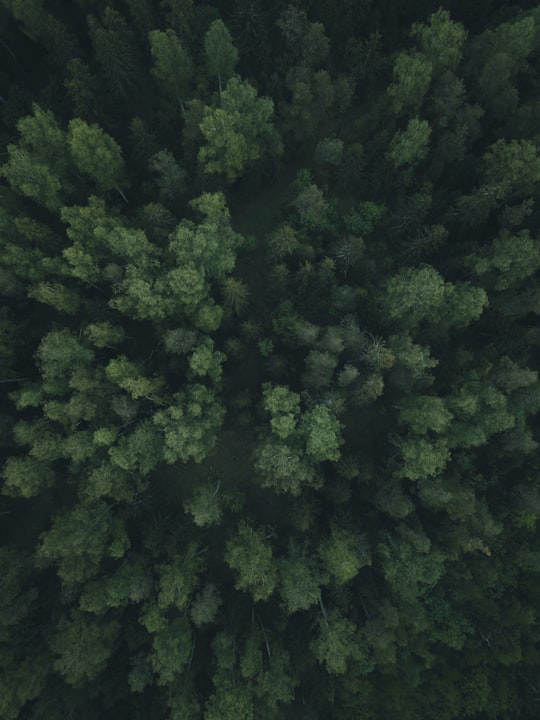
(268, 343)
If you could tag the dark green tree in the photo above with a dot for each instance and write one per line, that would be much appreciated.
(221, 55)
(171, 67)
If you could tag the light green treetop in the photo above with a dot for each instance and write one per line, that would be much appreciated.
(322, 433)
(440, 40)
(284, 468)
(238, 132)
(190, 424)
(412, 77)
(422, 458)
(59, 355)
(249, 554)
(300, 580)
(37, 166)
(423, 413)
(205, 361)
(335, 643)
(42, 136)
(508, 260)
(343, 554)
(410, 146)
(511, 169)
(209, 246)
(96, 154)
(94, 534)
(284, 407)
(414, 295)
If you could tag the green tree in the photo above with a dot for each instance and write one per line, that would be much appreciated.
(292, 22)
(313, 96)
(285, 468)
(82, 88)
(411, 565)
(511, 169)
(23, 674)
(131, 582)
(30, 14)
(26, 477)
(59, 355)
(170, 176)
(57, 295)
(235, 294)
(37, 166)
(412, 77)
(194, 255)
(334, 644)
(204, 361)
(496, 57)
(205, 505)
(18, 591)
(300, 580)
(43, 137)
(128, 376)
(414, 295)
(463, 303)
(424, 413)
(178, 578)
(104, 334)
(230, 703)
(343, 554)
(115, 49)
(329, 151)
(139, 451)
(97, 155)
(190, 424)
(82, 646)
(422, 458)
(311, 206)
(210, 246)
(205, 605)
(315, 45)
(248, 553)
(238, 132)
(320, 368)
(171, 66)
(221, 55)
(440, 41)
(171, 649)
(284, 407)
(80, 539)
(478, 414)
(179, 13)
(410, 146)
(322, 433)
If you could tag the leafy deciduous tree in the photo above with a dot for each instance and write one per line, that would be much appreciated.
(190, 424)
(251, 557)
(412, 77)
(238, 132)
(96, 154)
(410, 146)
(441, 41)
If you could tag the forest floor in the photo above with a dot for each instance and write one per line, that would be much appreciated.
(261, 213)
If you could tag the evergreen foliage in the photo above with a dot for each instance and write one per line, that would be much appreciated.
(269, 360)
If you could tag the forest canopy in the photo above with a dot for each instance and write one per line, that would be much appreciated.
(269, 351)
